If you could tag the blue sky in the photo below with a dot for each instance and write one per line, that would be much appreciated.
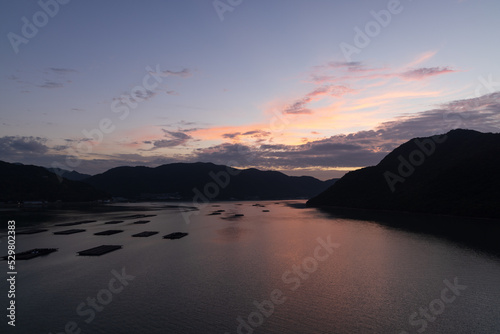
(268, 86)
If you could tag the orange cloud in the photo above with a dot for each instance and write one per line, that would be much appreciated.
(376, 95)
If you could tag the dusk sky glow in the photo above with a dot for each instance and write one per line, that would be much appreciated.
(270, 86)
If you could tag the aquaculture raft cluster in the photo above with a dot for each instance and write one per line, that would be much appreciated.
(33, 253)
(100, 250)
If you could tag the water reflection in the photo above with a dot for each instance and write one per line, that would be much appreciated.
(478, 234)
(231, 233)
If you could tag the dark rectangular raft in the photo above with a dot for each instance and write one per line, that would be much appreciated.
(114, 222)
(139, 216)
(215, 213)
(36, 252)
(77, 223)
(100, 250)
(175, 235)
(32, 231)
(108, 232)
(145, 234)
(141, 222)
(66, 232)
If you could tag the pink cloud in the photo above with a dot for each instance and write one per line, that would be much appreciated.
(422, 58)
(299, 107)
(425, 72)
(341, 72)
(251, 134)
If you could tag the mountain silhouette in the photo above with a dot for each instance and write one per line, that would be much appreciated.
(70, 175)
(455, 174)
(21, 183)
(205, 181)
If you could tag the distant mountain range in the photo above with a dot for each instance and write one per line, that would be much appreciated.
(70, 175)
(207, 181)
(180, 181)
(456, 174)
(20, 182)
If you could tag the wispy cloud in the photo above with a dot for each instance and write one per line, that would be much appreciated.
(233, 135)
(300, 106)
(422, 58)
(338, 72)
(145, 95)
(48, 78)
(174, 138)
(251, 134)
(350, 66)
(62, 71)
(51, 84)
(425, 72)
(184, 73)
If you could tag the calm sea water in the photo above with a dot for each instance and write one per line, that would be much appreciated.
(289, 270)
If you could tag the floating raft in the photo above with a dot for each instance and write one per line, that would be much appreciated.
(77, 223)
(141, 222)
(66, 232)
(36, 252)
(100, 250)
(175, 235)
(235, 216)
(138, 216)
(145, 234)
(108, 232)
(114, 222)
(32, 231)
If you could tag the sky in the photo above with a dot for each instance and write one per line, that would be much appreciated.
(314, 88)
